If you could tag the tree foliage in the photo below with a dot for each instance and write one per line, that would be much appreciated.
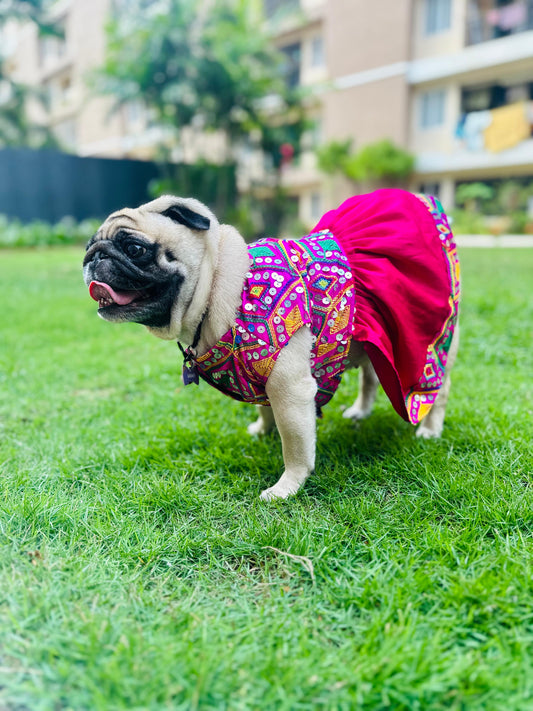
(513, 195)
(210, 66)
(473, 195)
(333, 157)
(376, 163)
(381, 161)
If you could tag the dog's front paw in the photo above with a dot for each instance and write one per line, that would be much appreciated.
(356, 412)
(276, 492)
(426, 432)
(286, 486)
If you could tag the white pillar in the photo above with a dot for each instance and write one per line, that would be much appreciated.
(447, 193)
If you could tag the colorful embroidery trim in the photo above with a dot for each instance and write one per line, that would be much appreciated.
(422, 396)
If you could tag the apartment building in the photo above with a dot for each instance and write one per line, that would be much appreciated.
(471, 91)
(62, 68)
(450, 80)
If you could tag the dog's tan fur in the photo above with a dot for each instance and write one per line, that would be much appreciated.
(214, 264)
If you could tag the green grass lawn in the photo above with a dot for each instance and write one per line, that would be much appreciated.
(139, 570)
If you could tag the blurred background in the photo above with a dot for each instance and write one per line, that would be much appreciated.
(271, 111)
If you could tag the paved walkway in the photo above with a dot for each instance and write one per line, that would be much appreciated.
(492, 241)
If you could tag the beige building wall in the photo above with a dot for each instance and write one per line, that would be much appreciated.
(93, 115)
(362, 35)
(368, 112)
(367, 54)
(436, 138)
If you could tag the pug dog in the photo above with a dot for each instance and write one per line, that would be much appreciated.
(275, 323)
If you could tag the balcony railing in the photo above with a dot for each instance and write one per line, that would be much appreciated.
(489, 20)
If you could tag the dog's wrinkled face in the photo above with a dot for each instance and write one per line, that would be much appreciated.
(141, 260)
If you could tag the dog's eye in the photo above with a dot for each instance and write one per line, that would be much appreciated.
(134, 250)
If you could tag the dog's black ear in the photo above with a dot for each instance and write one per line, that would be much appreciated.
(189, 218)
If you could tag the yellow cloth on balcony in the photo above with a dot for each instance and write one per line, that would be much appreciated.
(509, 126)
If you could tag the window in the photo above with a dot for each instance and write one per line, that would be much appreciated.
(6, 91)
(59, 91)
(432, 108)
(488, 20)
(134, 112)
(487, 97)
(273, 7)
(317, 51)
(316, 133)
(52, 48)
(476, 99)
(292, 54)
(316, 206)
(430, 189)
(438, 16)
(312, 136)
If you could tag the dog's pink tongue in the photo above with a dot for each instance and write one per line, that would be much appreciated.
(98, 290)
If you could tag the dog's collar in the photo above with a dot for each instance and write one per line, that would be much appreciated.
(190, 371)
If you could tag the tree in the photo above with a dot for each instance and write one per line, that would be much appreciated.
(382, 162)
(209, 66)
(334, 157)
(473, 195)
(513, 195)
(15, 129)
(379, 163)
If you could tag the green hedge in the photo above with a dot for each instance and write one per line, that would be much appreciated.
(41, 234)
(468, 222)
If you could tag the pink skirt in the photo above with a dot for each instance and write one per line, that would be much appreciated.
(406, 272)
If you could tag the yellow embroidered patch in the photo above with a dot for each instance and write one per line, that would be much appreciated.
(341, 321)
(293, 321)
(263, 366)
(324, 348)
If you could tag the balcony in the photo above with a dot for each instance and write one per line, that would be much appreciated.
(514, 161)
(477, 62)
(496, 142)
(491, 19)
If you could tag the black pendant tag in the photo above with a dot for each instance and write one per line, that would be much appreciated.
(190, 375)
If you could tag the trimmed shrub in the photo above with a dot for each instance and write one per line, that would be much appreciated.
(41, 234)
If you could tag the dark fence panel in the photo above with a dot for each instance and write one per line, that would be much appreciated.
(48, 185)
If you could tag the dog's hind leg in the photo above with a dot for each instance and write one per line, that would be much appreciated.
(368, 385)
(432, 424)
(264, 423)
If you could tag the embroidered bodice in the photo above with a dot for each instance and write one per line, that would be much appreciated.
(291, 284)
